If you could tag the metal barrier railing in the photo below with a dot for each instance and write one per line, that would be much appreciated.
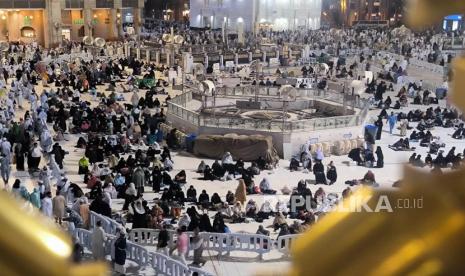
(176, 107)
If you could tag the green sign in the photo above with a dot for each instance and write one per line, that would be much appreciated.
(27, 21)
(80, 21)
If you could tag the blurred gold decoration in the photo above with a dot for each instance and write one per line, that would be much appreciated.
(424, 13)
(414, 241)
(458, 84)
(32, 245)
(407, 241)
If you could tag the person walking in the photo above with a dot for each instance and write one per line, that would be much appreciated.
(5, 168)
(403, 127)
(98, 242)
(35, 198)
(182, 244)
(47, 205)
(241, 192)
(392, 120)
(379, 131)
(163, 239)
(138, 178)
(59, 205)
(120, 252)
(19, 156)
(35, 156)
(379, 157)
(198, 246)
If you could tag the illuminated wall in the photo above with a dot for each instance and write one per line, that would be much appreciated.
(13, 22)
(282, 14)
(213, 13)
(290, 14)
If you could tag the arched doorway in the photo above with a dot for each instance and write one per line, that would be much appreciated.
(28, 32)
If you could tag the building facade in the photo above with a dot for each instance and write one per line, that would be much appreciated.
(255, 14)
(48, 22)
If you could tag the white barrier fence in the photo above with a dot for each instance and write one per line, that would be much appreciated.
(284, 243)
(108, 224)
(162, 264)
(224, 244)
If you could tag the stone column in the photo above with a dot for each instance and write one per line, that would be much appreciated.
(117, 17)
(114, 24)
(87, 15)
(52, 23)
(137, 20)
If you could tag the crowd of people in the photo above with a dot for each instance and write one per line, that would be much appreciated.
(115, 120)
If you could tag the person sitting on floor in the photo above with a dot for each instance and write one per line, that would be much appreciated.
(414, 136)
(191, 195)
(459, 133)
(216, 201)
(356, 156)
(412, 158)
(265, 187)
(208, 174)
(230, 198)
(251, 209)
(319, 172)
(201, 167)
(265, 211)
(418, 162)
(253, 169)
(204, 200)
(401, 145)
(180, 177)
(369, 179)
(294, 165)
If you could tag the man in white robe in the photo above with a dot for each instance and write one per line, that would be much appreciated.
(98, 242)
(47, 205)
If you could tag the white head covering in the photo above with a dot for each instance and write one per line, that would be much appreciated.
(131, 190)
(138, 207)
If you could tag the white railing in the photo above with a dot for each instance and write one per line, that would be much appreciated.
(284, 243)
(250, 243)
(144, 236)
(162, 264)
(217, 241)
(84, 236)
(137, 253)
(108, 224)
(149, 237)
(223, 243)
